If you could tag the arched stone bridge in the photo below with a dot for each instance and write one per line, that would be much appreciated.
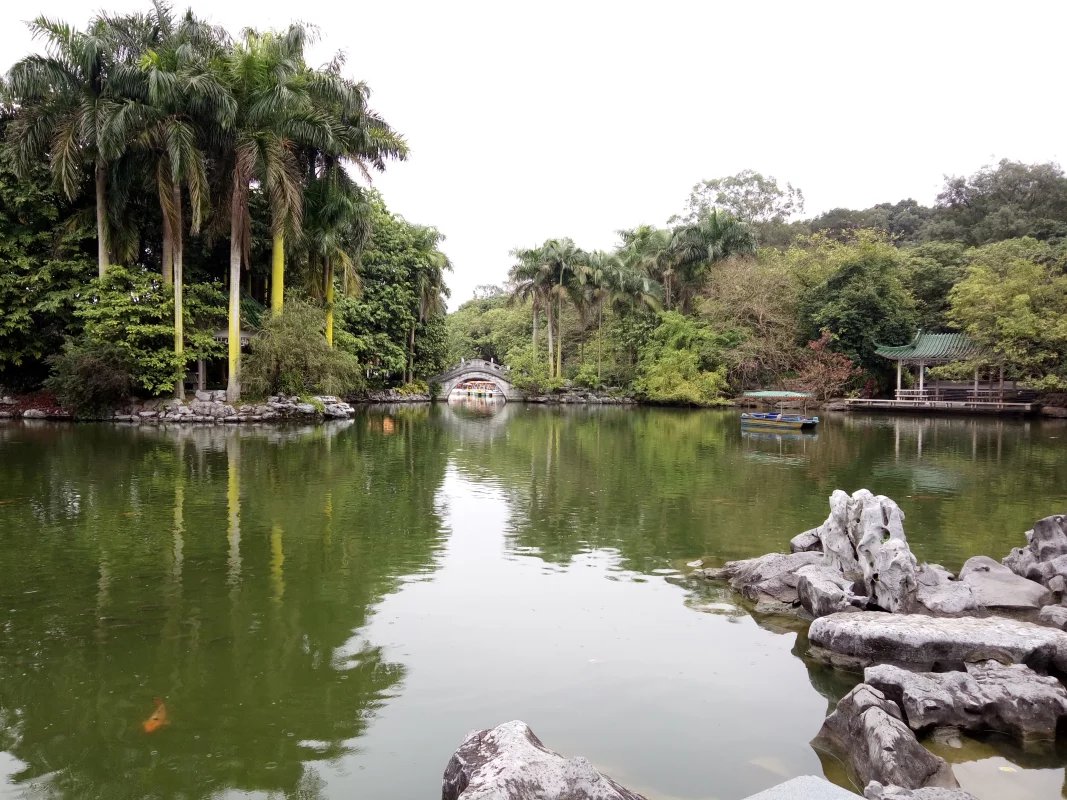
(476, 369)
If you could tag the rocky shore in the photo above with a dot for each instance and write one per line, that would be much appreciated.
(984, 650)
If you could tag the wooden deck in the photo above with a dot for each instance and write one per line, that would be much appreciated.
(922, 405)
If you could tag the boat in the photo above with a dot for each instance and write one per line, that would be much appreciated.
(778, 420)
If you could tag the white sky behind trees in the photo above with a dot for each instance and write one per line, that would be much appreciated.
(568, 118)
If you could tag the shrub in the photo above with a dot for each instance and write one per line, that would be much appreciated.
(90, 380)
(413, 388)
(587, 377)
(678, 364)
(289, 355)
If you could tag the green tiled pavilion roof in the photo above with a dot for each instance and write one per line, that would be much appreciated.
(935, 348)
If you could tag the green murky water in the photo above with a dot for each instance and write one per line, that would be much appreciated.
(327, 611)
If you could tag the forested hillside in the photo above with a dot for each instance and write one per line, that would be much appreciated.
(739, 291)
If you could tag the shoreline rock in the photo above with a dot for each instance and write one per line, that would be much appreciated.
(985, 696)
(867, 732)
(509, 762)
(920, 641)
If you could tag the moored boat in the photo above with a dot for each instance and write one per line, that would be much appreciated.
(778, 421)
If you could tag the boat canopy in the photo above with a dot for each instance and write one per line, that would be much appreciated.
(779, 395)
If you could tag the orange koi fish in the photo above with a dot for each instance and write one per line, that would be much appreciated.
(158, 718)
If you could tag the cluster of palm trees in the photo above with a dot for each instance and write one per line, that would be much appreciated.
(167, 105)
(653, 269)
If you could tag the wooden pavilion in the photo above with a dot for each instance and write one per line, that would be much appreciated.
(934, 349)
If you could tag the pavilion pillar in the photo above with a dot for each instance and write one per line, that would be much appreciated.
(1000, 387)
(201, 374)
(899, 371)
(976, 383)
(922, 377)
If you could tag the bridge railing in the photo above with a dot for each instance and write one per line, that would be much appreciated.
(473, 365)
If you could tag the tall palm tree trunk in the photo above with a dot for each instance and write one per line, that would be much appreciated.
(102, 256)
(233, 379)
(559, 340)
(551, 340)
(536, 315)
(168, 250)
(179, 303)
(411, 354)
(329, 301)
(599, 340)
(277, 274)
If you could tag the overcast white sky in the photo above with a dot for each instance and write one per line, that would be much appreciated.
(542, 119)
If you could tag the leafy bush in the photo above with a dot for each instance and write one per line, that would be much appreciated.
(529, 371)
(289, 355)
(824, 373)
(677, 364)
(130, 315)
(90, 379)
(587, 377)
(413, 388)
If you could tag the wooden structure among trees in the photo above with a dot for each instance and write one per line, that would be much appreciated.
(935, 349)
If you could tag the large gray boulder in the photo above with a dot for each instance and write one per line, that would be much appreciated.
(876, 791)
(922, 641)
(1044, 558)
(806, 542)
(987, 696)
(822, 590)
(509, 762)
(866, 731)
(996, 586)
(1056, 616)
(939, 593)
(770, 581)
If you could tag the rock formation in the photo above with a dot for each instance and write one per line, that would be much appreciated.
(923, 641)
(866, 731)
(876, 791)
(986, 696)
(1044, 558)
(509, 762)
(996, 586)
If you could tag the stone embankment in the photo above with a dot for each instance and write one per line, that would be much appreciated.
(210, 407)
(982, 651)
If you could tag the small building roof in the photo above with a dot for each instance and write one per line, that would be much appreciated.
(772, 395)
(935, 348)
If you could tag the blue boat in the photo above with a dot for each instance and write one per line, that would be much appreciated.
(778, 420)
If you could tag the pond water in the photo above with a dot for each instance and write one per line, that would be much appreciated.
(327, 611)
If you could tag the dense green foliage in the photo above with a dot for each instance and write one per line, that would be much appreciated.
(693, 312)
(201, 162)
(289, 355)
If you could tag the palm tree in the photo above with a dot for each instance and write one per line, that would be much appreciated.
(695, 247)
(530, 279)
(263, 74)
(178, 98)
(565, 260)
(336, 129)
(647, 250)
(64, 100)
(430, 289)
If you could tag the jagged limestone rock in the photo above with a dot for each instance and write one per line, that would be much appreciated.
(996, 586)
(876, 791)
(822, 590)
(986, 696)
(922, 641)
(866, 731)
(509, 762)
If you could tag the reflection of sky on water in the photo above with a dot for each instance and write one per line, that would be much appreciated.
(619, 670)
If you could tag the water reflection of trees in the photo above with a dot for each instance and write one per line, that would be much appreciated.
(212, 567)
(662, 485)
